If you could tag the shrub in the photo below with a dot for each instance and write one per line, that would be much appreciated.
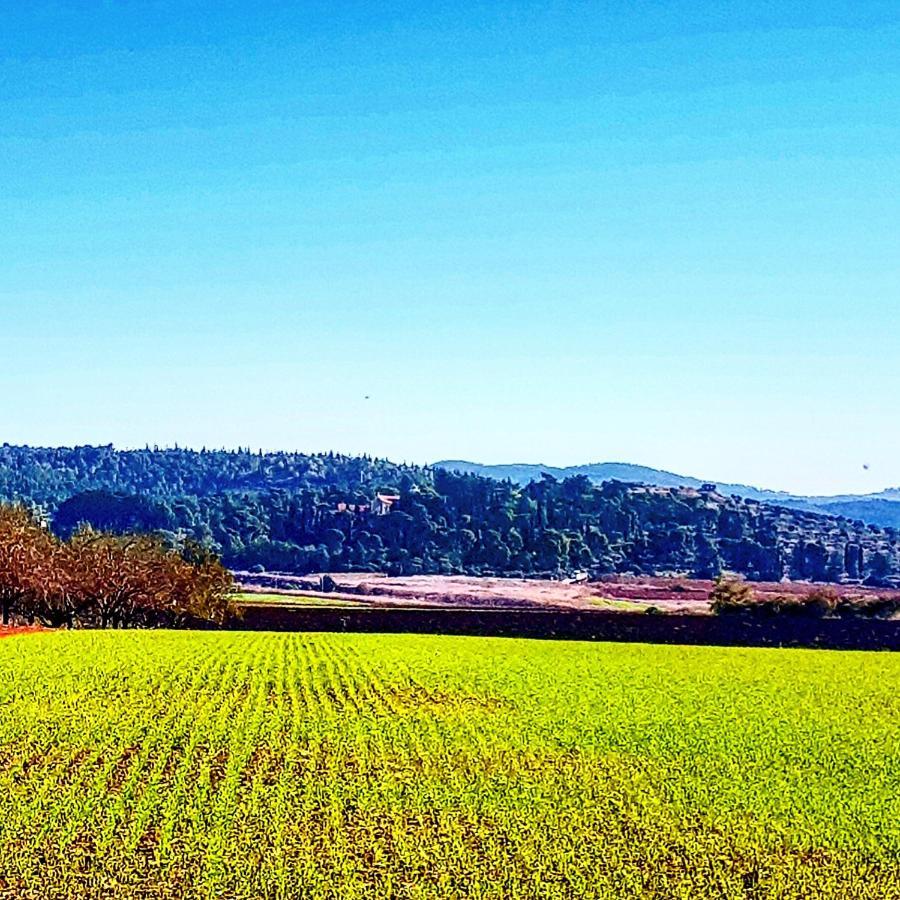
(729, 597)
(734, 597)
(815, 605)
(868, 607)
(820, 602)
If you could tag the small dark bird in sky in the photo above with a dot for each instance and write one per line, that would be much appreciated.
(367, 397)
(866, 466)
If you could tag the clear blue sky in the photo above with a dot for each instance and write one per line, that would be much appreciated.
(665, 233)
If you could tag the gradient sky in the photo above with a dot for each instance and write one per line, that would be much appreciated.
(664, 233)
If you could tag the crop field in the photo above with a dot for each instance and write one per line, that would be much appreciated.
(235, 765)
(247, 597)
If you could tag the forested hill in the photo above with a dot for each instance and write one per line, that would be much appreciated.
(882, 509)
(303, 513)
(51, 475)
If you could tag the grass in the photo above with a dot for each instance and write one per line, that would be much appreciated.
(292, 600)
(230, 765)
(617, 604)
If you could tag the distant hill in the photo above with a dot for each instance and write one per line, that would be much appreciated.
(302, 513)
(523, 473)
(882, 509)
(872, 509)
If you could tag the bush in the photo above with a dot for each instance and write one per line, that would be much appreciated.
(868, 607)
(729, 597)
(734, 597)
(815, 605)
(820, 603)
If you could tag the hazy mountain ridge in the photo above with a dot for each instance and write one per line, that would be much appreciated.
(882, 508)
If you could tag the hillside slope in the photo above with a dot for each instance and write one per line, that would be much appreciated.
(306, 513)
(882, 509)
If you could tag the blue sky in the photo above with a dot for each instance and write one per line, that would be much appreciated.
(665, 233)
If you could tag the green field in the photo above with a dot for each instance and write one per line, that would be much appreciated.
(229, 765)
(292, 600)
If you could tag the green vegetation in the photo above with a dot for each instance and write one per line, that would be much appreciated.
(738, 598)
(292, 600)
(618, 604)
(176, 764)
(290, 512)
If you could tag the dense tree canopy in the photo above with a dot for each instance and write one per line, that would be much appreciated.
(314, 513)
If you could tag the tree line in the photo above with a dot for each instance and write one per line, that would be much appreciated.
(306, 513)
(730, 597)
(105, 580)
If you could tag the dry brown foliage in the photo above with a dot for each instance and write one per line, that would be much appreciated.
(105, 580)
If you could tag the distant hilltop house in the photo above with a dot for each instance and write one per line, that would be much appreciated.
(352, 507)
(383, 503)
